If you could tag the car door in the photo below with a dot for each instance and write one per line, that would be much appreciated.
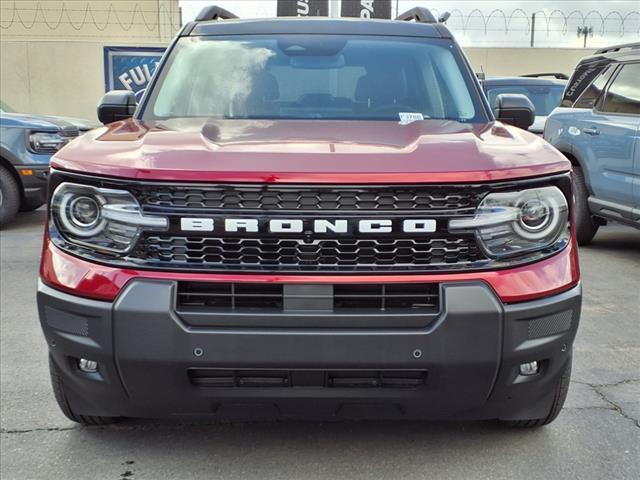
(610, 138)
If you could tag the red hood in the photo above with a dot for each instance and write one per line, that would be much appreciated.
(302, 151)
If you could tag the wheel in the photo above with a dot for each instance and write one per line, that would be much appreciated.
(61, 398)
(586, 225)
(9, 197)
(558, 401)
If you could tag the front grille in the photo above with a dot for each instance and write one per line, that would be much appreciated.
(306, 251)
(296, 255)
(292, 198)
(423, 298)
(245, 378)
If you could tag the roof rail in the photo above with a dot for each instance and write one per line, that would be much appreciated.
(419, 14)
(558, 75)
(617, 48)
(214, 12)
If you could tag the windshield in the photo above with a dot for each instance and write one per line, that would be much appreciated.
(544, 97)
(313, 77)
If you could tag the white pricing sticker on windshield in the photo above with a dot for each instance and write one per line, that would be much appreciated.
(409, 117)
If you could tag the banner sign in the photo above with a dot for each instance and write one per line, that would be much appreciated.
(303, 8)
(366, 8)
(130, 68)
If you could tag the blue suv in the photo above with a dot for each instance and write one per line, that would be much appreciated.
(597, 126)
(26, 145)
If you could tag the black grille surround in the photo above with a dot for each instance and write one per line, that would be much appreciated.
(307, 252)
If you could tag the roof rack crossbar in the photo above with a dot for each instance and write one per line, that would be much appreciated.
(615, 48)
(214, 12)
(419, 14)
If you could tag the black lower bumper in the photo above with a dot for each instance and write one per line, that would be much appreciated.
(34, 186)
(463, 363)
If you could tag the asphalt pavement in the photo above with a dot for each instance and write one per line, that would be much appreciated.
(597, 435)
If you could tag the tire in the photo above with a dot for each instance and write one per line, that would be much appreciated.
(558, 401)
(9, 197)
(63, 403)
(586, 225)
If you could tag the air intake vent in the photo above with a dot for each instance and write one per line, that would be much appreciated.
(423, 297)
(230, 296)
(339, 298)
(214, 378)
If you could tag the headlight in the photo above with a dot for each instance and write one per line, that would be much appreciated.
(508, 224)
(47, 142)
(103, 219)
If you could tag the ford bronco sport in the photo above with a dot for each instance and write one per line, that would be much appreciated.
(598, 129)
(314, 218)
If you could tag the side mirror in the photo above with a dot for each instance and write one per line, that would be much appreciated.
(515, 109)
(116, 105)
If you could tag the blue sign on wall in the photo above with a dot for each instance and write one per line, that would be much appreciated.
(130, 68)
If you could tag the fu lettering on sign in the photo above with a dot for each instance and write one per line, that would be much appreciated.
(140, 75)
(130, 68)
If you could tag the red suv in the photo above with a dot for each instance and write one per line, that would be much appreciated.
(311, 218)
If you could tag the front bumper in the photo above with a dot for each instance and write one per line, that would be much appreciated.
(34, 184)
(469, 353)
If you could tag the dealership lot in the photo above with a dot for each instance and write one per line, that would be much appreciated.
(596, 436)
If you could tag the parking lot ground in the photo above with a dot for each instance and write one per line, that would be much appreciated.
(596, 436)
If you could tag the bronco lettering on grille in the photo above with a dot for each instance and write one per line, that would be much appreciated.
(297, 225)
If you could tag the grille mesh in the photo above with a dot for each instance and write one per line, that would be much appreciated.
(298, 255)
(550, 325)
(279, 198)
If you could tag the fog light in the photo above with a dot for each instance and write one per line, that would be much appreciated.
(530, 368)
(88, 366)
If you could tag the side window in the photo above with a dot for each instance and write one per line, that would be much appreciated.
(623, 95)
(591, 94)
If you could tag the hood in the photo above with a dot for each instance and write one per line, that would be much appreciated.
(321, 151)
(80, 123)
(46, 122)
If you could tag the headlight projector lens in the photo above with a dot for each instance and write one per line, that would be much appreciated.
(535, 215)
(80, 214)
(84, 212)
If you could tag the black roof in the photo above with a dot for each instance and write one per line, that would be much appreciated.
(531, 81)
(316, 25)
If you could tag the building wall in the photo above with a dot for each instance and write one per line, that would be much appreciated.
(51, 52)
(518, 61)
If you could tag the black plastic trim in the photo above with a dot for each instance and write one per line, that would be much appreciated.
(471, 354)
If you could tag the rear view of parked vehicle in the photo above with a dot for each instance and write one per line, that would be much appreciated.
(598, 129)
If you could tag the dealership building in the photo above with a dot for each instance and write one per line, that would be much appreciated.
(59, 57)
